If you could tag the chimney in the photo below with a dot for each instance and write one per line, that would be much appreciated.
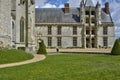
(107, 8)
(66, 8)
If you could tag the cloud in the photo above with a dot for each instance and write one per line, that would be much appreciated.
(47, 5)
(54, 3)
(115, 9)
(74, 3)
(50, 3)
(61, 6)
(40, 3)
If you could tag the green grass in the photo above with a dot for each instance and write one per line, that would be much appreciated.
(67, 67)
(10, 56)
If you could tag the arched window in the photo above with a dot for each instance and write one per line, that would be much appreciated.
(13, 31)
(22, 30)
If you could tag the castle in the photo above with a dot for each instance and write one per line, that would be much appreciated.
(87, 26)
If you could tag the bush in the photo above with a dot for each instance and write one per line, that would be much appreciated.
(116, 48)
(42, 48)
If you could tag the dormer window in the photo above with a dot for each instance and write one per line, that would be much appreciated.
(22, 1)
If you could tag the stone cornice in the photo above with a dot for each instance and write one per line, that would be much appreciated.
(108, 24)
(60, 24)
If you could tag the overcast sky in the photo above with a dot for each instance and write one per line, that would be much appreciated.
(114, 8)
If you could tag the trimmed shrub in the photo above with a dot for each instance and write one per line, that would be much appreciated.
(42, 48)
(116, 48)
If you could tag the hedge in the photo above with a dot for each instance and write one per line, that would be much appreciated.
(116, 48)
(42, 48)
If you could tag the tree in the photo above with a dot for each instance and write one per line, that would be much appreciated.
(42, 48)
(116, 48)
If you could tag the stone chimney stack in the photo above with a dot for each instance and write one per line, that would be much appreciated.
(107, 8)
(66, 8)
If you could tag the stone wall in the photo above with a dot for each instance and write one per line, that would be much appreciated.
(5, 22)
(66, 35)
(110, 36)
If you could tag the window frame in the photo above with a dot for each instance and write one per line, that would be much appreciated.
(49, 30)
(75, 42)
(22, 30)
(59, 30)
(59, 41)
(105, 41)
(49, 41)
(105, 30)
(74, 30)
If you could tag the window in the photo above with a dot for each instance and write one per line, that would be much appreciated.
(87, 13)
(74, 30)
(105, 30)
(49, 30)
(22, 1)
(93, 20)
(22, 30)
(13, 31)
(59, 30)
(87, 42)
(93, 12)
(74, 41)
(87, 20)
(59, 41)
(93, 42)
(49, 41)
(87, 32)
(105, 41)
(93, 32)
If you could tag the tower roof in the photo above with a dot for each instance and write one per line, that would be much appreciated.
(89, 3)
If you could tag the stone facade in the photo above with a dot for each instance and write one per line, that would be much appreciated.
(88, 26)
(5, 28)
(66, 34)
(19, 13)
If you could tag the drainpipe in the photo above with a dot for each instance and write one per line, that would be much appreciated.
(26, 15)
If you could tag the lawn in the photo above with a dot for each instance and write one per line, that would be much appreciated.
(67, 67)
(10, 56)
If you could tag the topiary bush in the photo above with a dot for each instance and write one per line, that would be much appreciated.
(116, 48)
(42, 48)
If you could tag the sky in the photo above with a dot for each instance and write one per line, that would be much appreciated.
(114, 8)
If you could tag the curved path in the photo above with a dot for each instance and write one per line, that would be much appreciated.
(35, 59)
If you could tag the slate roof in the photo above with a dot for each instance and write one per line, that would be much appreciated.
(57, 15)
(54, 15)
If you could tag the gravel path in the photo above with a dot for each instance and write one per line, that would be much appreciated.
(87, 50)
(35, 59)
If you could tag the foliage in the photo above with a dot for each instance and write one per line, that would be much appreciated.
(116, 48)
(67, 67)
(10, 56)
(42, 48)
